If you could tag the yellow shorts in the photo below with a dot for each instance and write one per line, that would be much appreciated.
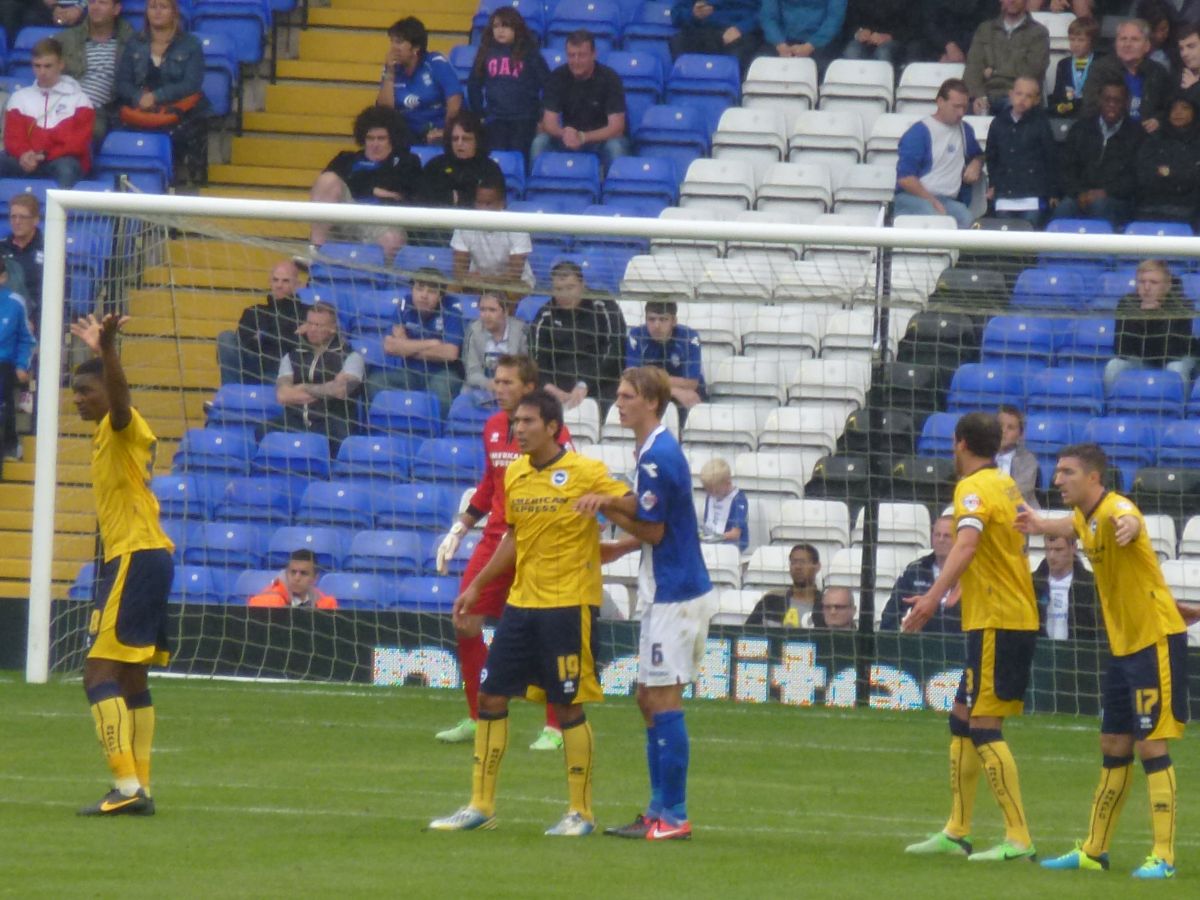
(129, 621)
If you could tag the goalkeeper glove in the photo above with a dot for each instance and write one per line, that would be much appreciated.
(449, 545)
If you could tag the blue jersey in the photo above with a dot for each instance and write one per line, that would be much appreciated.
(673, 570)
(679, 355)
(421, 97)
(445, 325)
(732, 511)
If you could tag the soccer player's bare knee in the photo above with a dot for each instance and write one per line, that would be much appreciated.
(1151, 749)
(493, 704)
(133, 678)
(99, 671)
(568, 713)
(662, 698)
(643, 702)
(1117, 745)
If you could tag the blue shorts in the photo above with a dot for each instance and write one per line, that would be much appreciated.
(996, 675)
(1146, 693)
(543, 655)
(129, 622)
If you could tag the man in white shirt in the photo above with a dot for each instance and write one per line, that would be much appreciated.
(1066, 593)
(1015, 459)
(495, 256)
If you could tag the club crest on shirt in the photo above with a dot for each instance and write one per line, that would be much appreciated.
(650, 469)
(971, 502)
(648, 500)
(559, 477)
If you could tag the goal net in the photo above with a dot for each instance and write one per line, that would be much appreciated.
(821, 366)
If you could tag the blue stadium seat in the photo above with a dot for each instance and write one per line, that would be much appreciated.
(937, 435)
(469, 303)
(359, 591)
(1147, 393)
(512, 165)
(81, 588)
(530, 305)
(12, 187)
(1193, 404)
(1047, 433)
(219, 85)
(677, 132)
(977, 386)
(641, 72)
(186, 496)
(391, 553)
(462, 60)
(601, 17)
(358, 266)
(244, 405)
(409, 259)
(133, 152)
(293, 453)
(375, 456)
(635, 177)
(712, 83)
(650, 31)
(455, 460)
(427, 594)
(245, 22)
(370, 348)
(226, 544)
(330, 545)
(466, 417)
(250, 582)
(555, 57)
(1130, 443)
(423, 506)
(557, 240)
(214, 450)
(617, 209)
(1161, 229)
(1066, 390)
(21, 53)
(265, 499)
(1056, 288)
(1112, 287)
(1087, 343)
(1017, 340)
(604, 266)
(564, 175)
(1179, 445)
(1074, 226)
(425, 152)
(406, 413)
(373, 312)
(458, 563)
(180, 531)
(337, 503)
(195, 584)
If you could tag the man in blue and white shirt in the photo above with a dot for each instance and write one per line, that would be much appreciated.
(672, 584)
(675, 348)
(939, 160)
(419, 84)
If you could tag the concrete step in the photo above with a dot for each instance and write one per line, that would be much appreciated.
(464, 9)
(311, 98)
(64, 523)
(298, 123)
(263, 175)
(345, 73)
(17, 545)
(205, 253)
(221, 279)
(311, 153)
(20, 588)
(192, 306)
(67, 499)
(361, 47)
(157, 326)
(361, 15)
(63, 569)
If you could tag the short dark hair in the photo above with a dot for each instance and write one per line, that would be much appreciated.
(570, 265)
(1185, 30)
(430, 276)
(981, 433)
(581, 36)
(90, 368)
(412, 30)
(492, 181)
(47, 47)
(527, 369)
(662, 308)
(1115, 82)
(31, 203)
(322, 306)
(953, 86)
(813, 555)
(1009, 410)
(548, 407)
(303, 555)
(1092, 456)
(381, 117)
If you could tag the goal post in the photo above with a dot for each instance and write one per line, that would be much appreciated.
(798, 325)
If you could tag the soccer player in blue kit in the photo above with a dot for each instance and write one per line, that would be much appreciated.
(672, 584)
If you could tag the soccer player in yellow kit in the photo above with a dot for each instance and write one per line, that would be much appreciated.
(543, 644)
(1000, 623)
(127, 632)
(1145, 692)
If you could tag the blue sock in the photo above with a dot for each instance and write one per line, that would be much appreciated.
(673, 749)
(656, 794)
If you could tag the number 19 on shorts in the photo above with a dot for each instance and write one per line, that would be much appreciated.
(568, 667)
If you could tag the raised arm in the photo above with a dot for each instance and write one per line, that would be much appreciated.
(100, 335)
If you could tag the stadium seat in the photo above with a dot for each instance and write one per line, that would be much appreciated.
(883, 139)
(84, 584)
(642, 177)
(641, 74)
(132, 152)
(390, 553)
(293, 453)
(564, 175)
(420, 506)
(1063, 390)
(757, 136)
(409, 259)
(244, 406)
(228, 544)
(833, 138)
(834, 382)
(921, 479)
(466, 416)
(1088, 343)
(1160, 529)
(769, 255)
(1148, 394)
(917, 90)
(329, 545)
(826, 522)
(786, 85)
(849, 334)
(775, 474)
(339, 504)
(675, 132)
(903, 524)
(1129, 442)
(265, 499)
(601, 17)
(248, 583)
(817, 427)
(866, 187)
(885, 430)
(222, 71)
(372, 311)
(750, 378)
(1179, 445)
(1171, 490)
(841, 476)
(731, 426)
(383, 457)
(786, 333)
(1017, 340)
(937, 435)
(194, 584)
(916, 387)
(356, 590)
(25, 40)
(430, 594)
(214, 451)
(978, 386)
(724, 564)
(1049, 288)
(462, 59)
(512, 167)
(1189, 541)
(1193, 403)
(650, 31)
(858, 86)
(407, 413)
(640, 207)
(245, 22)
(720, 186)
(354, 266)
(801, 190)
(187, 496)
(942, 339)
(767, 569)
(711, 83)
(454, 460)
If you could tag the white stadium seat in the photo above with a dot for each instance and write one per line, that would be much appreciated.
(583, 422)
(1189, 543)
(659, 275)
(772, 255)
(728, 279)
(786, 85)
(849, 333)
(820, 280)
(617, 458)
(686, 247)
(883, 140)
(748, 378)
(617, 602)
(906, 524)
(814, 426)
(756, 136)
(820, 135)
(724, 563)
(864, 187)
(801, 190)
(773, 473)
(860, 86)
(716, 323)
(1161, 531)
(767, 569)
(842, 381)
(825, 521)
(735, 605)
(787, 333)
(732, 427)
(765, 513)
(919, 82)
(722, 186)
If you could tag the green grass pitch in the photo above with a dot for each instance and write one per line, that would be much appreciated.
(314, 791)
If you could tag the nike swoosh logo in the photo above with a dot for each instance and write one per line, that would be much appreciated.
(105, 806)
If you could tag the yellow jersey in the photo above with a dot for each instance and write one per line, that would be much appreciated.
(1137, 604)
(122, 466)
(558, 549)
(997, 588)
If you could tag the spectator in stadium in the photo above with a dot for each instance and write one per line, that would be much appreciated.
(837, 610)
(939, 160)
(726, 518)
(1015, 459)
(428, 336)
(1147, 82)
(945, 29)
(1188, 79)
(727, 27)
(422, 86)
(1157, 16)
(1003, 49)
(1168, 168)
(664, 343)
(493, 335)
(491, 256)
(266, 332)
(296, 586)
(506, 81)
(15, 14)
(318, 383)
(918, 577)
(1097, 171)
(384, 171)
(1022, 156)
(91, 51)
(1073, 70)
(578, 342)
(1066, 593)
(451, 177)
(804, 28)
(1154, 326)
(23, 251)
(878, 29)
(788, 609)
(48, 124)
(16, 354)
(584, 106)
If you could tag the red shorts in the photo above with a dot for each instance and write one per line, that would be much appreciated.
(493, 597)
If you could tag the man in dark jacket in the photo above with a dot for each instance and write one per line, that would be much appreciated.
(919, 578)
(1003, 49)
(1098, 172)
(1066, 594)
(265, 334)
(788, 608)
(1022, 157)
(1168, 167)
(945, 28)
(1153, 326)
(1148, 83)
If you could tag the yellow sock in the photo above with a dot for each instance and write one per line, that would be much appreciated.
(578, 746)
(491, 740)
(964, 779)
(1107, 803)
(1005, 783)
(114, 727)
(143, 738)
(1161, 785)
